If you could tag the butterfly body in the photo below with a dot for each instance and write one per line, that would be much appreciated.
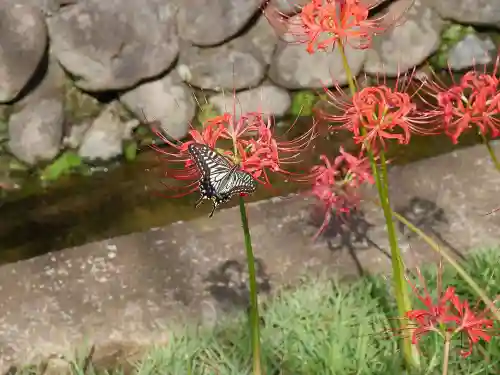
(220, 178)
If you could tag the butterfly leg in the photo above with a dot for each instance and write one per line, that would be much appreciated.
(199, 201)
(214, 206)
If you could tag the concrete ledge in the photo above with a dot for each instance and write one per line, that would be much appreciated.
(133, 288)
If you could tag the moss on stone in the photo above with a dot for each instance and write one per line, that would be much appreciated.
(79, 106)
(451, 35)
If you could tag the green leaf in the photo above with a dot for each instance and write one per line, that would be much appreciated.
(130, 150)
(142, 131)
(63, 165)
(146, 141)
(206, 112)
(303, 103)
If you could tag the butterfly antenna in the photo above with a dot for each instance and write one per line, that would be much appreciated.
(160, 130)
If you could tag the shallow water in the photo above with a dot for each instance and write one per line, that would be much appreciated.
(128, 198)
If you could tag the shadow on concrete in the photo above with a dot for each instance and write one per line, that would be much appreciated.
(228, 283)
(427, 216)
(351, 232)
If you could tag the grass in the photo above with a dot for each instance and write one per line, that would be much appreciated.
(323, 327)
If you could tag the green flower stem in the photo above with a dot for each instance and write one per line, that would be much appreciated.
(403, 302)
(254, 305)
(490, 151)
(449, 258)
(398, 276)
(347, 69)
(446, 354)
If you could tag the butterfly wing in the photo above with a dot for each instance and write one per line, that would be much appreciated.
(238, 182)
(208, 161)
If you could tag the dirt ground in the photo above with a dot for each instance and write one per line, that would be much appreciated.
(128, 291)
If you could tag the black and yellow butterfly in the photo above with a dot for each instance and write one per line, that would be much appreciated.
(220, 178)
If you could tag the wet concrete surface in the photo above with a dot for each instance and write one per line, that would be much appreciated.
(136, 288)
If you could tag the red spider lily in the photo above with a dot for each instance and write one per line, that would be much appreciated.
(474, 101)
(434, 314)
(322, 23)
(336, 185)
(378, 113)
(447, 316)
(255, 148)
(474, 325)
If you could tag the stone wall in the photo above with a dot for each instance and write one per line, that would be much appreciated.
(64, 56)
